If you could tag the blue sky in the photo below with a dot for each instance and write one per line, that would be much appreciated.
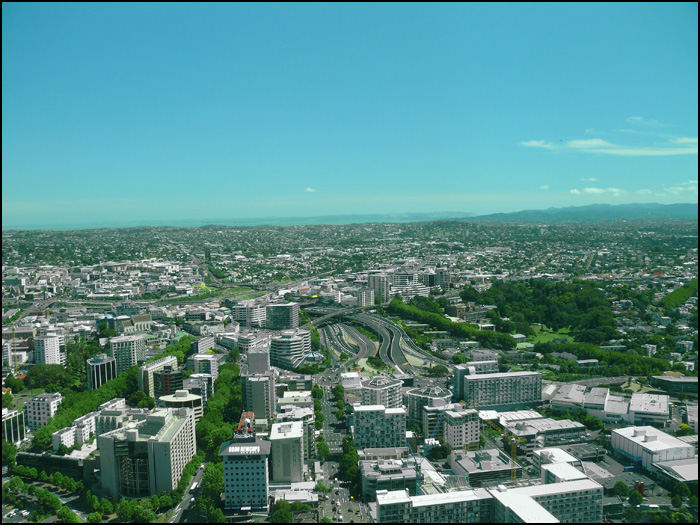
(115, 113)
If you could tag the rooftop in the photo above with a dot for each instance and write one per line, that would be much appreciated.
(498, 375)
(288, 430)
(650, 438)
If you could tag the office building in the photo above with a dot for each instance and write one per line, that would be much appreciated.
(40, 408)
(258, 394)
(433, 419)
(249, 341)
(249, 314)
(128, 350)
(199, 384)
(290, 349)
(484, 468)
(287, 451)
(166, 381)
(417, 398)
(502, 390)
(365, 297)
(676, 383)
(146, 371)
(378, 427)
(13, 427)
(47, 351)
(245, 461)
(380, 284)
(183, 399)
(147, 457)
(307, 417)
(382, 390)
(100, 369)
(202, 344)
(648, 409)
(282, 316)
(207, 364)
(536, 433)
(258, 360)
(647, 445)
(388, 474)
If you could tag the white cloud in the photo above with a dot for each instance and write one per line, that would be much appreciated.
(641, 121)
(615, 192)
(310, 190)
(682, 146)
(575, 191)
(593, 190)
(589, 143)
(589, 179)
(538, 144)
(684, 140)
(644, 191)
(544, 187)
(691, 185)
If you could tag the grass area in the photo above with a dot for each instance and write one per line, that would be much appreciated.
(364, 366)
(211, 292)
(543, 335)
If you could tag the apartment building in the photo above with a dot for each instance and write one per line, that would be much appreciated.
(388, 474)
(100, 369)
(206, 364)
(40, 408)
(202, 344)
(245, 461)
(249, 314)
(145, 376)
(258, 360)
(306, 416)
(282, 316)
(380, 284)
(461, 427)
(465, 506)
(382, 390)
(147, 457)
(432, 396)
(375, 426)
(128, 350)
(47, 350)
(166, 381)
(287, 451)
(502, 390)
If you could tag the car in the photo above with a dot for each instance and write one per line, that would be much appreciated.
(25, 513)
(191, 499)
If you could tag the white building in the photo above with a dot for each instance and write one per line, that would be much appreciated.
(128, 350)
(249, 314)
(100, 369)
(146, 372)
(464, 506)
(647, 445)
(245, 472)
(645, 409)
(40, 408)
(502, 389)
(183, 399)
(287, 451)
(382, 390)
(290, 349)
(380, 284)
(461, 427)
(306, 416)
(147, 457)
(432, 396)
(13, 426)
(206, 364)
(376, 426)
(47, 350)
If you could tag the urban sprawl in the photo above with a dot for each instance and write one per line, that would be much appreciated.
(449, 371)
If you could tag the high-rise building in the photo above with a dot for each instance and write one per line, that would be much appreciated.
(432, 396)
(382, 390)
(147, 457)
(206, 364)
(100, 369)
(378, 427)
(202, 344)
(258, 393)
(128, 350)
(289, 349)
(473, 367)
(365, 297)
(282, 316)
(307, 417)
(245, 472)
(502, 390)
(166, 381)
(380, 285)
(146, 371)
(258, 360)
(183, 399)
(47, 351)
(249, 314)
(287, 451)
(40, 408)
(461, 427)
(13, 426)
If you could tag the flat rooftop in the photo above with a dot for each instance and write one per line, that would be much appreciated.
(649, 404)
(660, 440)
(564, 471)
(554, 455)
(288, 430)
(526, 508)
(500, 375)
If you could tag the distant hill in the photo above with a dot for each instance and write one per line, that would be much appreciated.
(597, 213)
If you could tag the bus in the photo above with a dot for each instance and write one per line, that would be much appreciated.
(194, 486)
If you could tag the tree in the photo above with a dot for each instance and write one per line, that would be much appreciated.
(323, 450)
(94, 517)
(316, 392)
(681, 489)
(635, 498)
(14, 384)
(676, 501)
(7, 399)
(621, 489)
(9, 452)
(438, 371)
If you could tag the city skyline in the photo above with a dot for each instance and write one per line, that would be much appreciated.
(161, 113)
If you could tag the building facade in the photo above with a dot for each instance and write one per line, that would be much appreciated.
(145, 377)
(375, 426)
(282, 316)
(40, 408)
(100, 369)
(13, 426)
(245, 461)
(128, 350)
(47, 351)
(287, 451)
(502, 389)
(382, 390)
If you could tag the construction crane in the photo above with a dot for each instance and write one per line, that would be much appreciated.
(514, 441)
